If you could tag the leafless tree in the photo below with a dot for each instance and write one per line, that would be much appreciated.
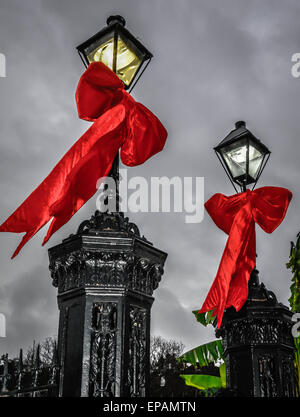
(45, 352)
(161, 350)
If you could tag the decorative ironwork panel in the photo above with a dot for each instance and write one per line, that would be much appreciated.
(103, 350)
(267, 375)
(137, 351)
(256, 331)
(101, 269)
(288, 383)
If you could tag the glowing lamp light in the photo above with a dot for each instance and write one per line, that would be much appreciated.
(118, 49)
(243, 156)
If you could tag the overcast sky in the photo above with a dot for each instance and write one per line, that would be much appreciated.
(215, 62)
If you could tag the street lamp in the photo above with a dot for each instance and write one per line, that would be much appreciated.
(106, 273)
(118, 49)
(243, 156)
(257, 340)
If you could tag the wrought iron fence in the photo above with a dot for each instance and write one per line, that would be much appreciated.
(31, 377)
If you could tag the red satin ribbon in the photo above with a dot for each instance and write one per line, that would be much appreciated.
(236, 215)
(119, 122)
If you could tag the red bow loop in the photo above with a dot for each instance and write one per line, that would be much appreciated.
(236, 215)
(98, 90)
(144, 136)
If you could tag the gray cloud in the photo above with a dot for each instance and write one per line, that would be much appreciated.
(215, 62)
(30, 309)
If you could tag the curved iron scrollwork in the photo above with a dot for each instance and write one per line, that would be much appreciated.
(267, 375)
(108, 222)
(137, 352)
(103, 350)
(287, 383)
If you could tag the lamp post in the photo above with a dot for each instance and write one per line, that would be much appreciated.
(118, 49)
(106, 272)
(243, 156)
(257, 340)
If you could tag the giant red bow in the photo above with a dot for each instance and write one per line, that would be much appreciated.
(119, 122)
(236, 215)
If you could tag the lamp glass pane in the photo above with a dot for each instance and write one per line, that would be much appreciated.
(128, 61)
(235, 156)
(255, 161)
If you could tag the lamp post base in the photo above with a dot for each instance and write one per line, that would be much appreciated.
(105, 274)
(258, 345)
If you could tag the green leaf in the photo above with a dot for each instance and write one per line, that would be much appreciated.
(202, 382)
(294, 300)
(204, 355)
(204, 318)
(294, 266)
(292, 249)
(200, 317)
(223, 375)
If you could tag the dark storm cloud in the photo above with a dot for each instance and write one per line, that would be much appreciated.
(30, 309)
(214, 62)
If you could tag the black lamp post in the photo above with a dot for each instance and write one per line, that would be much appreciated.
(118, 49)
(243, 156)
(257, 340)
(107, 272)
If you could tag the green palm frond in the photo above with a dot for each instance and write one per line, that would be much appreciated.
(204, 355)
(294, 300)
(204, 318)
(202, 382)
(206, 382)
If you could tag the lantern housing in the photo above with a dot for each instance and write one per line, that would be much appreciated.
(118, 49)
(243, 156)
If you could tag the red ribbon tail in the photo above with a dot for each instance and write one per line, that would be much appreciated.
(73, 180)
(221, 295)
(24, 240)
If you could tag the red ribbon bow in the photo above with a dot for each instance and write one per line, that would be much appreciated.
(236, 215)
(119, 122)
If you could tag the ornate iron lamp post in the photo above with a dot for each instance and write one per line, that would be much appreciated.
(258, 344)
(243, 156)
(106, 273)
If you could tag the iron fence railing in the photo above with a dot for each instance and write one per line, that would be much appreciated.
(29, 378)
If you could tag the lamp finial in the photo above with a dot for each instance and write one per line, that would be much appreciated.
(114, 19)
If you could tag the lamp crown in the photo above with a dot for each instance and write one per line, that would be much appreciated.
(240, 123)
(116, 19)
